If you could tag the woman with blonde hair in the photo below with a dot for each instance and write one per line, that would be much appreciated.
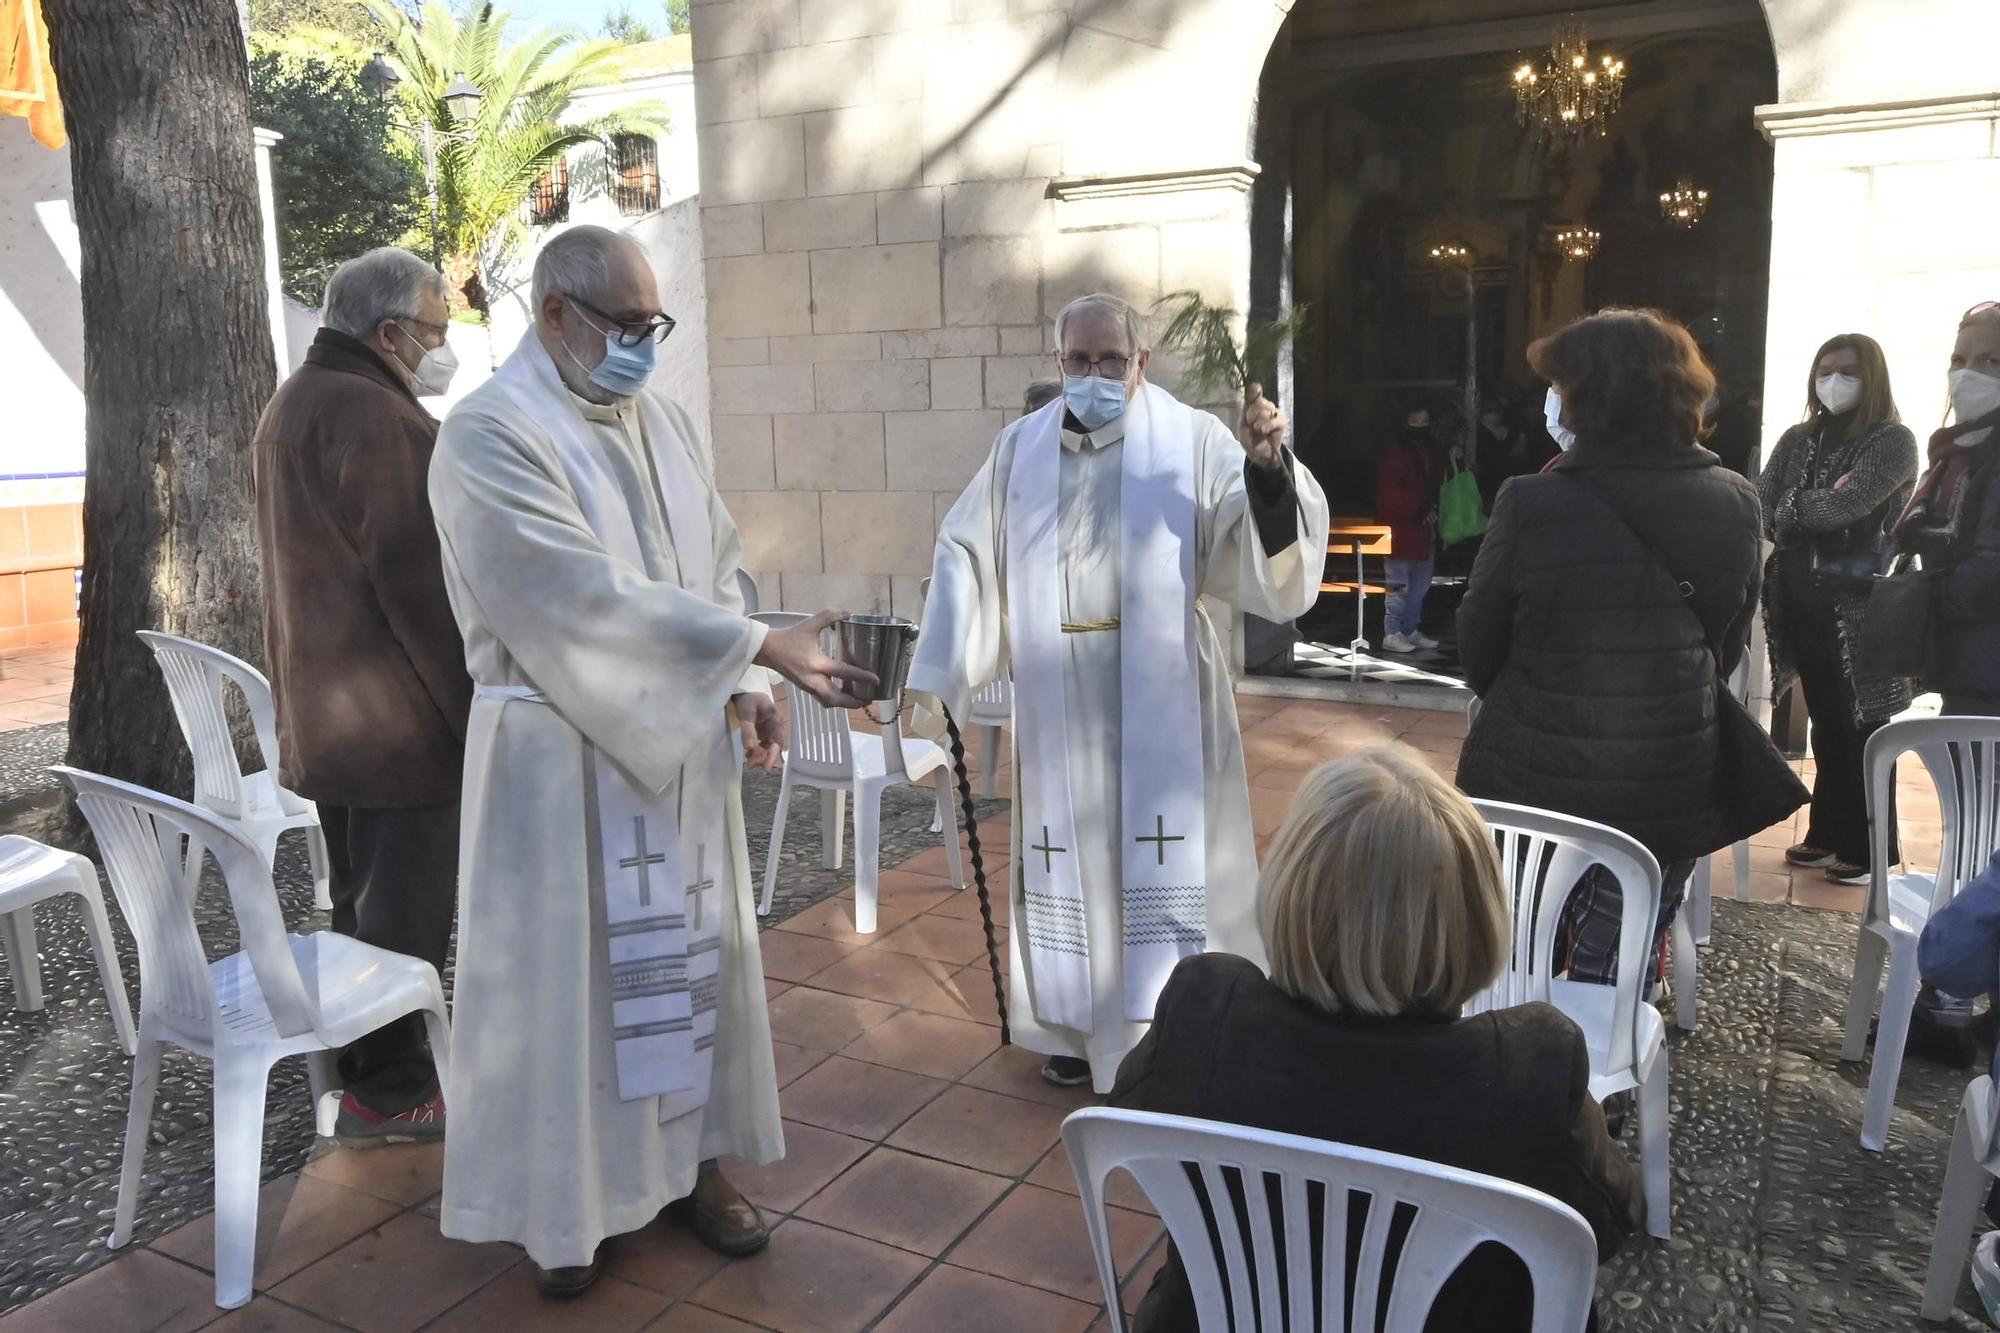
(1383, 911)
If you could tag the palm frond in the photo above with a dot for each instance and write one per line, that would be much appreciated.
(1213, 363)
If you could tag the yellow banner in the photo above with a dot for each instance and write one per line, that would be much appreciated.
(27, 79)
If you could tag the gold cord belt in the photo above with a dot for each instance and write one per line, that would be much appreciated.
(1089, 626)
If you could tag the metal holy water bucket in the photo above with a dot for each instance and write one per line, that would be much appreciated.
(882, 645)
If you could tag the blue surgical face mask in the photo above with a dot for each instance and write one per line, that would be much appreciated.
(1094, 400)
(1552, 413)
(624, 370)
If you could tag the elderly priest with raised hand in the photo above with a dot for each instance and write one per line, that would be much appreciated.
(1088, 552)
(610, 1038)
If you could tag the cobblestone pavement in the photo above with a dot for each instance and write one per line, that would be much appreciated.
(64, 1082)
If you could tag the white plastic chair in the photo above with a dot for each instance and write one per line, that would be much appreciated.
(1543, 855)
(254, 802)
(1309, 1184)
(823, 751)
(280, 995)
(31, 873)
(1975, 1154)
(753, 599)
(1961, 755)
(992, 712)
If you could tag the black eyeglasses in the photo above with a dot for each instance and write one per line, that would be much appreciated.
(629, 335)
(1110, 367)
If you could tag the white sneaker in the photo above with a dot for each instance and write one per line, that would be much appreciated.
(1422, 640)
(1397, 643)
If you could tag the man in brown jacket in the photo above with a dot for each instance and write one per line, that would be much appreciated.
(365, 657)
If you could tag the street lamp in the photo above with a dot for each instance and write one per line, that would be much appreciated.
(461, 101)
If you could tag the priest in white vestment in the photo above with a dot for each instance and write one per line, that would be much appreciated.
(1089, 555)
(610, 1038)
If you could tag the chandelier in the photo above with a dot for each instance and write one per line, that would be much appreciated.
(1568, 96)
(1684, 204)
(1450, 254)
(1577, 244)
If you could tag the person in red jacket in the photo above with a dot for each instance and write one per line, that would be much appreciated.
(1407, 479)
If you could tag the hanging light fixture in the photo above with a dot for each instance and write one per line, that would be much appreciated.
(1568, 95)
(1450, 254)
(1577, 243)
(1684, 204)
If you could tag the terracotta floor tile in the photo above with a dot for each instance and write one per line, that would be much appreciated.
(1817, 892)
(922, 1043)
(933, 861)
(850, 1097)
(300, 1220)
(665, 1257)
(405, 1174)
(913, 1203)
(965, 905)
(875, 974)
(1017, 1071)
(136, 1290)
(773, 988)
(1768, 887)
(831, 920)
(821, 1020)
(954, 940)
(694, 1319)
(794, 1060)
(790, 956)
(1038, 1236)
(956, 1300)
(966, 993)
(397, 1277)
(812, 1157)
(812, 1279)
(1120, 1189)
(264, 1315)
(1133, 1289)
(513, 1303)
(983, 1130)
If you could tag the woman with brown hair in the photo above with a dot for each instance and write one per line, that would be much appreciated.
(1612, 598)
(1833, 484)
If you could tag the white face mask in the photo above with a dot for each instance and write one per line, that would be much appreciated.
(1552, 413)
(1837, 393)
(1974, 394)
(431, 376)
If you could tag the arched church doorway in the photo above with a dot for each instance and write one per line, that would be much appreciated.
(1432, 237)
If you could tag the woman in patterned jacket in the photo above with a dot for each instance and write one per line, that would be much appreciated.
(1832, 484)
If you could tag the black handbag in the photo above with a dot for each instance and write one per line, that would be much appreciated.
(1854, 558)
(1755, 783)
(1899, 633)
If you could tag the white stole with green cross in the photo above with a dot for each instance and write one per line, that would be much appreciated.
(1163, 851)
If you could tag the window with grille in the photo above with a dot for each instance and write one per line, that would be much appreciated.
(548, 198)
(635, 173)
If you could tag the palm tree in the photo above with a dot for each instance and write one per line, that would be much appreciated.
(487, 163)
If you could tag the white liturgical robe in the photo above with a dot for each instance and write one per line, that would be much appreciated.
(582, 656)
(965, 643)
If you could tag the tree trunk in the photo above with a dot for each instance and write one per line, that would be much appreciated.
(178, 359)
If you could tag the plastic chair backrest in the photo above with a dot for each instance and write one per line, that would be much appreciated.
(818, 739)
(1244, 1205)
(195, 674)
(993, 706)
(1962, 756)
(753, 600)
(139, 834)
(1542, 856)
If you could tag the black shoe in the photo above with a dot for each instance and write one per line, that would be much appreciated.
(1947, 1044)
(563, 1283)
(1066, 1071)
(722, 1218)
(1616, 1107)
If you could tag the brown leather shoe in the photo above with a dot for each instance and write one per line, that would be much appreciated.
(563, 1283)
(722, 1218)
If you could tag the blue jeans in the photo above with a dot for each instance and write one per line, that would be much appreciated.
(1409, 582)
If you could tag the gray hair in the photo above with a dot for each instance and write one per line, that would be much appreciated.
(576, 263)
(1103, 302)
(1040, 394)
(384, 283)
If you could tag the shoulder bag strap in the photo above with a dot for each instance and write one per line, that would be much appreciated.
(1652, 551)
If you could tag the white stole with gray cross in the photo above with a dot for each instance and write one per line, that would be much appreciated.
(1163, 843)
(660, 855)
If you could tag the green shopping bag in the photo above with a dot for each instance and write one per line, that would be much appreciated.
(1461, 513)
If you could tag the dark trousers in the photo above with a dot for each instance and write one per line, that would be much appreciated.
(1839, 819)
(395, 885)
(1593, 919)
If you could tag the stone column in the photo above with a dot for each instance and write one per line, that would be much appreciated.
(273, 278)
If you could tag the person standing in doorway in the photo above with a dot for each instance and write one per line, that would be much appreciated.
(1833, 484)
(367, 668)
(1407, 479)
